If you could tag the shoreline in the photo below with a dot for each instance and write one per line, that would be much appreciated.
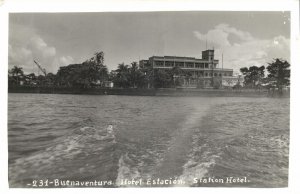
(150, 92)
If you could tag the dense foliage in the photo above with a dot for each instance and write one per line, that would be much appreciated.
(93, 73)
(90, 73)
(278, 75)
(253, 75)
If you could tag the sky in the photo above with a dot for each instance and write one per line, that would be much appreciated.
(59, 39)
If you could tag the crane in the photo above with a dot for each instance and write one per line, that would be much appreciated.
(39, 66)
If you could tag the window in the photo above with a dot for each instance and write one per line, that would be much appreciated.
(206, 65)
(189, 65)
(169, 64)
(179, 64)
(159, 63)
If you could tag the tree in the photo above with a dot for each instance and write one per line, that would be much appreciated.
(126, 76)
(89, 73)
(99, 57)
(15, 75)
(136, 76)
(279, 73)
(149, 76)
(163, 78)
(121, 76)
(30, 79)
(16, 71)
(41, 80)
(50, 79)
(97, 71)
(253, 75)
(176, 73)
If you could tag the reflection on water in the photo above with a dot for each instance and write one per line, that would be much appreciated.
(79, 137)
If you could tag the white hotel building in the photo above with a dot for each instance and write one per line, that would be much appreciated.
(203, 73)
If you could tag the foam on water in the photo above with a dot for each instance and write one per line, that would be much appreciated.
(125, 170)
(76, 153)
(193, 169)
(199, 160)
(168, 163)
(158, 137)
(253, 144)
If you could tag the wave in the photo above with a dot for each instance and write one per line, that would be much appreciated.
(193, 169)
(165, 162)
(77, 154)
(252, 144)
(200, 160)
(125, 170)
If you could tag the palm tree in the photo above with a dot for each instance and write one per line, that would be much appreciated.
(122, 76)
(135, 74)
(17, 73)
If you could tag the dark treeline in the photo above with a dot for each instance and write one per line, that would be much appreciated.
(92, 73)
(278, 75)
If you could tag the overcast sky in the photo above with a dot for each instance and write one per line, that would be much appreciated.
(59, 39)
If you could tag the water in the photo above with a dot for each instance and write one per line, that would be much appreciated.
(117, 138)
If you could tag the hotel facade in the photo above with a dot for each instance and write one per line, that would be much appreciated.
(198, 73)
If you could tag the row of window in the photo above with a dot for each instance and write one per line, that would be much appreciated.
(218, 74)
(215, 74)
(181, 64)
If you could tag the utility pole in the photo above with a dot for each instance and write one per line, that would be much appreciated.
(222, 61)
(212, 66)
(222, 73)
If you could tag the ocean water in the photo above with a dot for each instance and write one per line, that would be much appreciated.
(116, 139)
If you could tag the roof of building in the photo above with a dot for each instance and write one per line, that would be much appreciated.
(180, 58)
(176, 57)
